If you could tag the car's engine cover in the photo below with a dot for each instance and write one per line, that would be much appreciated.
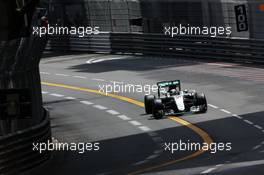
(179, 100)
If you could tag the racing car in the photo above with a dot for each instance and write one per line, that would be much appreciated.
(172, 100)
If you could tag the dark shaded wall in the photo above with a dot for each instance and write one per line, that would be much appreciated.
(109, 15)
(157, 14)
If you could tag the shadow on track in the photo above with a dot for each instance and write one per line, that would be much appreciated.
(116, 155)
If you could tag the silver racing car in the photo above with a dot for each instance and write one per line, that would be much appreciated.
(172, 100)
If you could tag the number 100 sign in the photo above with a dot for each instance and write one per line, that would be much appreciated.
(241, 18)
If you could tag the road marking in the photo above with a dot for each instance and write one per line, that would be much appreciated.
(226, 111)
(100, 107)
(90, 61)
(134, 122)
(70, 98)
(219, 165)
(98, 79)
(80, 77)
(259, 127)
(129, 100)
(208, 170)
(124, 117)
(158, 151)
(45, 73)
(237, 116)
(249, 122)
(113, 112)
(93, 60)
(256, 147)
(57, 95)
(117, 82)
(213, 106)
(206, 138)
(144, 128)
(63, 75)
(86, 102)
(152, 156)
(44, 92)
(140, 162)
(222, 64)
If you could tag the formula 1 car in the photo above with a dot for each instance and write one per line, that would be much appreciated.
(172, 100)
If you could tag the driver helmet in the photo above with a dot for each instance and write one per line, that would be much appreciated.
(173, 92)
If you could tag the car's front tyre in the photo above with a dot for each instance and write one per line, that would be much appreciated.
(201, 102)
(158, 109)
(149, 101)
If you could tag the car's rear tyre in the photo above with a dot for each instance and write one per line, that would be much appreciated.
(201, 102)
(158, 109)
(149, 101)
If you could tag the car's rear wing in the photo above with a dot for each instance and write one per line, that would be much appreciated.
(164, 84)
(169, 83)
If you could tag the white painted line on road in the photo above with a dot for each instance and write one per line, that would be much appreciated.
(237, 116)
(124, 117)
(262, 142)
(70, 98)
(219, 165)
(57, 95)
(91, 61)
(256, 147)
(63, 75)
(117, 82)
(223, 110)
(259, 127)
(262, 130)
(86, 102)
(158, 151)
(44, 92)
(136, 123)
(98, 79)
(213, 106)
(144, 128)
(97, 61)
(140, 162)
(100, 107)
(80, 77)
(208, 170)
(45, 73)
(249, 122)
(152, 156)
(113, 112)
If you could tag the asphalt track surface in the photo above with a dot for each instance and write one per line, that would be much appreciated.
(132, 142)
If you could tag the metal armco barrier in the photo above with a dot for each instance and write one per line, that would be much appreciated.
(93, 43)
(16, 149)
(158, 44)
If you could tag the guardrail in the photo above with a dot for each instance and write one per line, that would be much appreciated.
(91, 43)
(157, 44)
(16, 149)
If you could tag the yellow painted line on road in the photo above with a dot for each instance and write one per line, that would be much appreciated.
(129, 100)
(206, 138)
